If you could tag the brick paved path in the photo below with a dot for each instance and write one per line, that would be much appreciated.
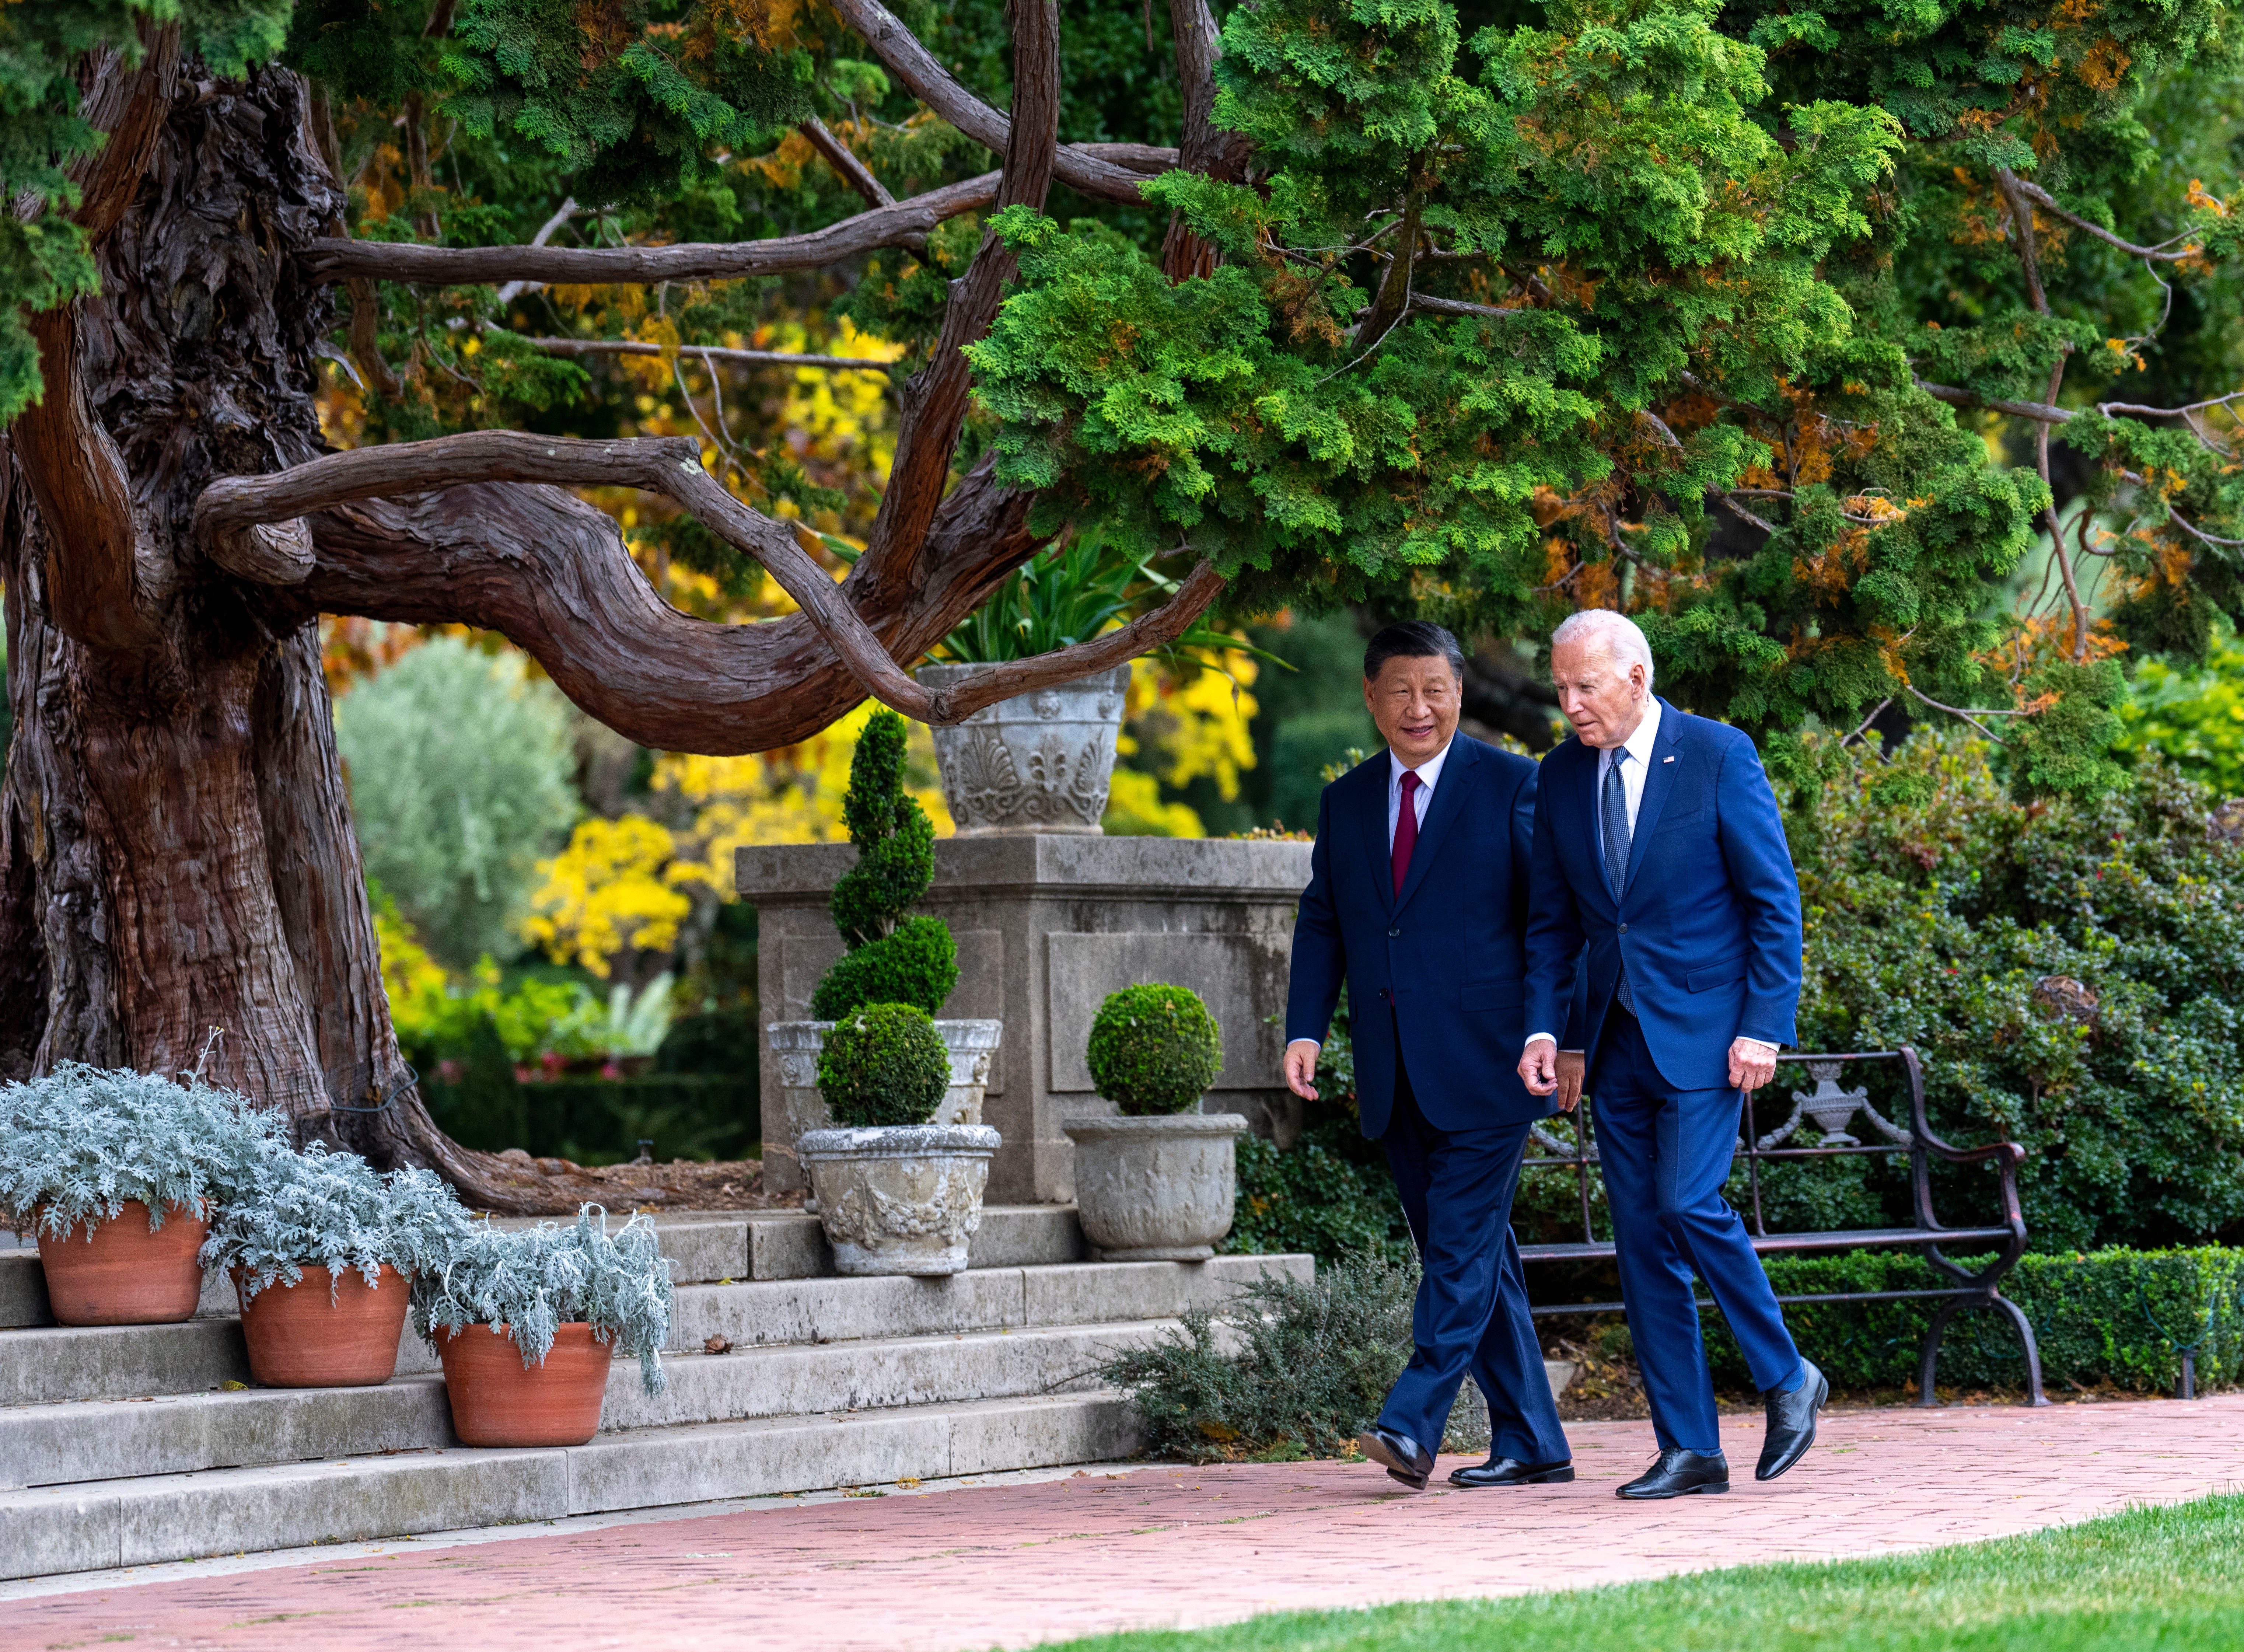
(1016, 1565)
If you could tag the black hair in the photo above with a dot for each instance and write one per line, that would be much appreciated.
(1412, 640)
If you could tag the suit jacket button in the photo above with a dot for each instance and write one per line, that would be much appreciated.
(1624, 929)
(1392, 933)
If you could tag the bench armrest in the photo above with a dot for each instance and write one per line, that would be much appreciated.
(2010, 1150)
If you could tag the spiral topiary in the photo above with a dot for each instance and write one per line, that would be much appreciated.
(883, 1064)
(892, 958)
(1154, 1049)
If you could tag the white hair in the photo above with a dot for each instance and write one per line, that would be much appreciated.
(1615, 632)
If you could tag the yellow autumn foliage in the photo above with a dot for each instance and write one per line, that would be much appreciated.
(607, 892)
(1194, 720)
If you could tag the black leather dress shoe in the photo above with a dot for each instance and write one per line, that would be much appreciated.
(1791, 1423)
(1402, 1457)
(1680, 1474)
(1510, 1471)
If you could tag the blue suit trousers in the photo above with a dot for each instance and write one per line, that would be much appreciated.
(1470, 1317)
(1665, 1153)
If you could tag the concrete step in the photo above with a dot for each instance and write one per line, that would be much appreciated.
(705, 1247)
(184, 1433)
(48, 1364)
(166, 1517)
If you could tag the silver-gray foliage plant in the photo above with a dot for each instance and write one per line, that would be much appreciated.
(535, 1280)
(321, 1209)
(75, 1145)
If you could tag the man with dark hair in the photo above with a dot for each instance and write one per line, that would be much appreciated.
(1418, 899)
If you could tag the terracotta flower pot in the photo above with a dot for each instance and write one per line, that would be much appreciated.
(121, 1274)
(496, 1402)
(299, 1337)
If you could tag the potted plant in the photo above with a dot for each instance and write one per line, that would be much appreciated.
(323, 1251)
(897, 1194)
(893, 956)
(116, 1172)
(1157, 1183)
(527, 1319)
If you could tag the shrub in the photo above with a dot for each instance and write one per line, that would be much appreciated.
(2194, 719)
(2116, 1316)
(891, 959)
(318, 1209)
(1154, 1049)
(883, 1064)
(1304, 1362)
(1314, 1197)
(535, 1280)
(78, 1143)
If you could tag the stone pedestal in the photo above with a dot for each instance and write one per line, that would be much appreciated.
(1047, 926)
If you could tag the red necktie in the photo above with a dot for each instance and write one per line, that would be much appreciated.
(1406, 829)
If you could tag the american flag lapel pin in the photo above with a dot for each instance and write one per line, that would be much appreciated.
(1667, 760)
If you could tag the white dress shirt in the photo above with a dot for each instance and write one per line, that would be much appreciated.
(1430, 775)
(1639, 747)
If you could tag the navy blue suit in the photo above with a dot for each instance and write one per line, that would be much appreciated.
(1707, 925)
(1436, 977)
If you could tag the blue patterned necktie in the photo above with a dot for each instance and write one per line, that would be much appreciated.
(1613, 807)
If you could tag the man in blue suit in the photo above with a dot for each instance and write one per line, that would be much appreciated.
(1659, 853)
(1417, 898)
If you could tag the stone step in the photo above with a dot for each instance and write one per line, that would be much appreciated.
(47, 1364)
(144, 1520)
(184, 1433)
(705, 1246)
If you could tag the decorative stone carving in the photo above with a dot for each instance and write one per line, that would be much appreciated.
(1040, 762)
(903, 1200)
(795, 1044)
(1159, 1188)
(1831, 1109)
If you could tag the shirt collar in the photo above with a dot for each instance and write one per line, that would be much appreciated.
(1429, 772)
(1639, 745)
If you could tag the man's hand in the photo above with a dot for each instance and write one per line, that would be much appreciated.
(1752, 1063)
(1538, 1066)
(1301, 1067)
(1573, 1066)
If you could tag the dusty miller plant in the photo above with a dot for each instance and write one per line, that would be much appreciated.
(535, 1280)
(332, 1210)
(76, 1145)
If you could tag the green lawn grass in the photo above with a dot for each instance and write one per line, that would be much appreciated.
(2170, 1579)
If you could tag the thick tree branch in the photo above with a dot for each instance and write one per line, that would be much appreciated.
(1206, 147)
(332, 259)
(1956, 396)
(232, 509)
(928, 81)
(130, 108)
(935, 402)
(852, 170)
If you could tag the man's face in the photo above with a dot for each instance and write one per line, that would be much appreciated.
(1415, 701)
(1602, 698)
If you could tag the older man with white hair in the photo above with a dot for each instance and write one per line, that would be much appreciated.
(1659, 852)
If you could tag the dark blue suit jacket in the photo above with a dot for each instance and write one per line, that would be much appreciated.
(1443, 963)
(1708, 921)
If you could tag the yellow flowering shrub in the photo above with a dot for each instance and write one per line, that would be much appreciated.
(607, 892)
(1183, 721)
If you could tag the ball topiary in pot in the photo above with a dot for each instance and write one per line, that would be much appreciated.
(1157, 1182)
(897, 1192)
(894, 956)
(526, 1320)
(322, 1250)
(116, 1172)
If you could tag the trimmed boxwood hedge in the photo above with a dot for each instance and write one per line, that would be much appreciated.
(1154, 1049)
(2112, 1317)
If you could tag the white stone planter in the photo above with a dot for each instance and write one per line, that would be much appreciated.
(1156, 1189)
(905, 1199)
(1040, 762)
(973, 1045)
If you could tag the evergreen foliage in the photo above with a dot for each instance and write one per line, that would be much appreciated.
(883, 1065)
(535, 1280)
(1153, 1049)
(892, 958)
(329, 1209)
(75, 1145)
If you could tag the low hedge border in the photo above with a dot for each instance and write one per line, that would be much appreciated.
(2109, 1317)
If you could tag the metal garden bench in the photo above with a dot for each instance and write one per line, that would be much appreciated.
(1831, 1110)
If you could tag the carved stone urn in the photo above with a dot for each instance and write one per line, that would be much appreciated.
(902, 1199)
(795, 1044)
(1158, 1187)
(1040, 762)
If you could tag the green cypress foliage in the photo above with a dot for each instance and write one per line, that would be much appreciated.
(892, 958)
